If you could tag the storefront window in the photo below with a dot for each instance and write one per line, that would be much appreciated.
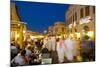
(87, 11)
(75, 16)
(93, 9)
(81, 13)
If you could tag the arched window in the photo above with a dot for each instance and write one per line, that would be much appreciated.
(86, 28)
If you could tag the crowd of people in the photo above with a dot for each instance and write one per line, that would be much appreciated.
(60, 50)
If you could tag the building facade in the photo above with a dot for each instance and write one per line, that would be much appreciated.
(80, 16)
(60, 28)
(51, 30)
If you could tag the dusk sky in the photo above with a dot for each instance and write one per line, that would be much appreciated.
(39, 16)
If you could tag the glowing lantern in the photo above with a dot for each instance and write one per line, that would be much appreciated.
(24, 31)
(90, 34)
(78, 35)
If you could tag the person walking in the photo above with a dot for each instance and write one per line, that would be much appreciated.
(53, 50)
(69, 49)
(53, 43)
(60, 50)
(49, 44)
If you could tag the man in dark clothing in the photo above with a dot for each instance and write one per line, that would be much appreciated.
(88, 49)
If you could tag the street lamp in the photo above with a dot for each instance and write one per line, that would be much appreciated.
(24, 31)
(19, 24)
(45, 31)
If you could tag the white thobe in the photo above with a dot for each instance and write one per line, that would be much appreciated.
(69, 51)
(60, 52)
(53, 43)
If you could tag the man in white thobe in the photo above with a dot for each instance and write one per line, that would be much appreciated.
(53, 43)
(69, 50)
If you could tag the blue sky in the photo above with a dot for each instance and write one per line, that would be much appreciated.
(39, 16)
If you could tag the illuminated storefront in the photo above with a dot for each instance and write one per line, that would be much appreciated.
(18, 30)
(79, 16)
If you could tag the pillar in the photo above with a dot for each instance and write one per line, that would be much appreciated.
(21, 36)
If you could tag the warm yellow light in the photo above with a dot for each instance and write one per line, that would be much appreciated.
(24, 31)
(71, 35)
(90, 33)
(33, 37)
(18, 24)
(40, 36)
(78, 35)
(79, 58)
(17, 35)
(58, 36)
